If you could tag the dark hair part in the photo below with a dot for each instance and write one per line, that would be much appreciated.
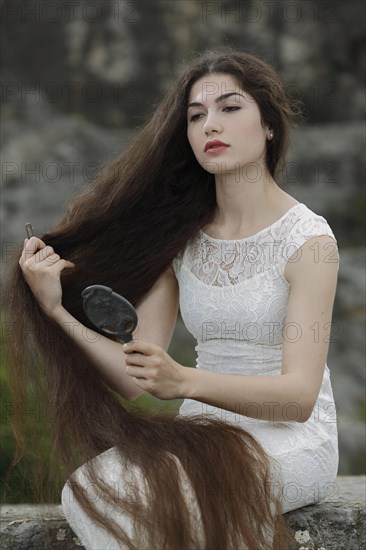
(124, 232)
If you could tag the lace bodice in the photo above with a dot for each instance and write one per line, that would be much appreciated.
(219, 262)
(236, 289)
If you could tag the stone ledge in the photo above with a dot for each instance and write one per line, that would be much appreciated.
(337, 522)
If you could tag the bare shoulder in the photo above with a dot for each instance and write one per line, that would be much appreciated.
(168, 276)
(166, 283)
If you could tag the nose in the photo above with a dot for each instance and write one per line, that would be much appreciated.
(212, 124)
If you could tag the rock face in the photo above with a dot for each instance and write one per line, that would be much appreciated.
(80, 78)
(337, 522)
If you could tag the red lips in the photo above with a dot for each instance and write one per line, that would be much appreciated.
(215, 142)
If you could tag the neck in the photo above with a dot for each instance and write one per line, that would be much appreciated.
(243, 203)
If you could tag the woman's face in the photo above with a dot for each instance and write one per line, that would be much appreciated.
(234, 120)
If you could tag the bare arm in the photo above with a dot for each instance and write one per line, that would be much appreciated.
(157, 313)
(292, 395)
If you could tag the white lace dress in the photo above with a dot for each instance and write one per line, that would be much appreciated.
(233, 299)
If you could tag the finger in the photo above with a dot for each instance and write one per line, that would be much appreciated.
(54, 258)
(30, 248)
(34, 244)
(67, 264)
(136, 372)
(51, 259)
(60, 265)
(138, 359)
(139, 346)
(47, 255)
(44, 255)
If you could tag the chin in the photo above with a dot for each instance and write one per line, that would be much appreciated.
(216, 166)
(212, 167)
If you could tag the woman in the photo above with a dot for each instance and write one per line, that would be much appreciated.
(179, 217)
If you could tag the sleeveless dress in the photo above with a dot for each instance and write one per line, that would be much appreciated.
(233, 299)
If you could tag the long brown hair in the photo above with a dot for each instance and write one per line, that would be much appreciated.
(124, 232)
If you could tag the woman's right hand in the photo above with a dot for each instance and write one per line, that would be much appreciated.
(41, 269)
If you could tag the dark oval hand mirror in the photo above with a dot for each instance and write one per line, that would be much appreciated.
(109, 311)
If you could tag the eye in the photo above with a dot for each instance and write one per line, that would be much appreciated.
(194, 117)
(232, 108)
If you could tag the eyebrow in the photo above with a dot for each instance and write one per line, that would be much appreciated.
(217, 100)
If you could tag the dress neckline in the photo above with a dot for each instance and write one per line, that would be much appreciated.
(255, 234)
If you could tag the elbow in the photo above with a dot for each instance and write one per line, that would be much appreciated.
(304, 419)
(297, 411)
(306, 412)
(300, 417)
(302, 403)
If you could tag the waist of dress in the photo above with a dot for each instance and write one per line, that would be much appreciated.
(238, 357)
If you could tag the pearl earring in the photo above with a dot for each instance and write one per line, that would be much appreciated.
(270, 135)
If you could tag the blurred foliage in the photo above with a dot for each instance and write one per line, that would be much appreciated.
(356, 460)
(34, 466)
(361, 413)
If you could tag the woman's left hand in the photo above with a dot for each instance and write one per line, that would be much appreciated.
(154, 371)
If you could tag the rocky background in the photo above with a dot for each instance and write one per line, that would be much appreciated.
(79, 78)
